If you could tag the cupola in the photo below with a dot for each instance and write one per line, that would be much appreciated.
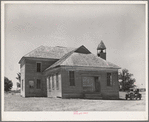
(101, 50)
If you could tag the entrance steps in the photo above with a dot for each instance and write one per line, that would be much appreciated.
(93, 96)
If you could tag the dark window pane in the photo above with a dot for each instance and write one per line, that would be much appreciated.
(109, 79)
(38, 67)
(71, 78)
(50, 84)
(57, 82)
(53, 82)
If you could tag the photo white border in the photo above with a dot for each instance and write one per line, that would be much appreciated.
(61, 115)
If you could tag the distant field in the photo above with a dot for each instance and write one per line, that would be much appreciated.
(14, 102)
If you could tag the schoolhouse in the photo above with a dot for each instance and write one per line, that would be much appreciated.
(68, 73)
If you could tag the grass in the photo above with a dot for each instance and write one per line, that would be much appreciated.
(14, 102)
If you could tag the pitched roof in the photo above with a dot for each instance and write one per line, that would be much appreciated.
(79, 59)
(70, 56)
(101, 46)
(54, 52)
(49, 52)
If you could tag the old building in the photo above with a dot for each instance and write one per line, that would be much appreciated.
(68, 73)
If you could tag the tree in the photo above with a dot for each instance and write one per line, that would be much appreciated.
(127, 80)
(7, 84)
(19, 79)
(18, 85)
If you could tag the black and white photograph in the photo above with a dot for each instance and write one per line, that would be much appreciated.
(74, 60)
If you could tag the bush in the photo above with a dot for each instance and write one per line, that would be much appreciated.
(7, 84)
(18, 85)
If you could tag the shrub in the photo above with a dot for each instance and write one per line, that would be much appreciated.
(7, 84)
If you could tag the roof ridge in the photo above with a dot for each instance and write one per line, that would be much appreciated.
(61, 46)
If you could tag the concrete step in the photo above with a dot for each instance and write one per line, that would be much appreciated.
(93, 96)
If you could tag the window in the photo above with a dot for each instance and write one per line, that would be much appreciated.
(71, 78)
(38, 84)
(109, 79)
(57, 84)
(38, 67)
(22, 85)
(53, 82)
(31, 84)
(50, 83)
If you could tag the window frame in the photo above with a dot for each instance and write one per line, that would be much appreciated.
(109, 79)
(50, 77)
(40, 69)
(72, 78)
(22, 85)
(52, 82)
(30, 84)
(57, 81)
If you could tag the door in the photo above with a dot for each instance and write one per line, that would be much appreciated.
(88, 84)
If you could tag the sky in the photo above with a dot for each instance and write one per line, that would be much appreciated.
(120, 26)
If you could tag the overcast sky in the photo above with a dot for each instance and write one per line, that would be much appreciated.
(121, 27)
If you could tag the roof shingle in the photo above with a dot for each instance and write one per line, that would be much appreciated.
(49, 52)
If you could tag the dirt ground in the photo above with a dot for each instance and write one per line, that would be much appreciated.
(14, 102)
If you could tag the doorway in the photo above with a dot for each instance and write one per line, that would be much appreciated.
(88, 84)
(91, 84)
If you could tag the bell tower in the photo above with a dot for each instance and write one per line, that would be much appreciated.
(101, 50)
